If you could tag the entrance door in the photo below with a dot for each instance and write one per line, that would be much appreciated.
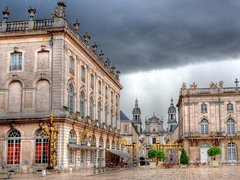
(203, 152)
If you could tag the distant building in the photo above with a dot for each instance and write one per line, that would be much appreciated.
(137, 117)
(131, 136)
(209, 117)
(154, 132)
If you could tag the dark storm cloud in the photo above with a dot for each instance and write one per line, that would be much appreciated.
(142, 35)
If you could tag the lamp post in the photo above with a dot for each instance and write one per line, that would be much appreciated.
(52, 132)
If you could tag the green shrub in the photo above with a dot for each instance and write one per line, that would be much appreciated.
(152, 153)
(161, 155)
(184, 157)
(213, 151)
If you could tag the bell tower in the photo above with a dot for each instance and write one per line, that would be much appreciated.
(172, 122)
(137, 117)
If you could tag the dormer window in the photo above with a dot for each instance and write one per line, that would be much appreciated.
(203, 108)
(16, 61)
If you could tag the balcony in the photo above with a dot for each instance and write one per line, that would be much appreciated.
(72, 141)
(15, 67)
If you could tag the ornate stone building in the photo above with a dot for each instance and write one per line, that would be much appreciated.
(154, 132)
(46, 67)
(207, 117)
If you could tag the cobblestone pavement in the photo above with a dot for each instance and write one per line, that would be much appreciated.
(203, 173)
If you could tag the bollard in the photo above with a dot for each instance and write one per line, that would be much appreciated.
(43, 172)
(70, 169)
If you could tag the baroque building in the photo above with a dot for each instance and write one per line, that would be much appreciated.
(130, 135)
(209, 117)
(46, 67)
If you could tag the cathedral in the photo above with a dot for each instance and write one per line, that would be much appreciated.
(154, 132)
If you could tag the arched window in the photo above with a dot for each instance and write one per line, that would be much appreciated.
(14, 147)
(71, 140)
(92, 81)
(41, 147)
(91, 109)
(232, 153)
(99, 87)
(15, 97)
(70, 98)
(83, 74)
(229, 107)
(99, 112)
(42, 96)
(16, 61)
(82, 104)
(154, 140)
(204, 126)
(230, 126)
(106, 115)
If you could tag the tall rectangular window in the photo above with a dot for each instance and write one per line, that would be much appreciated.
(71, 66)
(16, 61)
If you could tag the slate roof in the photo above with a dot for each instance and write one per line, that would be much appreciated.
(123, 117)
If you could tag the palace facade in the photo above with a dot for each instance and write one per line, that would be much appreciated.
(47, 67)
(209, 117)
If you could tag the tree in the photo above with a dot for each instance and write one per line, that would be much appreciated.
(213, 151)
(161, 155)
(152, 153)
(184, 157)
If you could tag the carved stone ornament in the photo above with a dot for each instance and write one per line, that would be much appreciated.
(5, 13)
(193, 86)
(31, 12)
(213, 86)
(184, 86)
(221, 84)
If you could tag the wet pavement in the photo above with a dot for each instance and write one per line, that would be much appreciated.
(203, 173)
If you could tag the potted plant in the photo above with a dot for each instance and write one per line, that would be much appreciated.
(184, 159)
(142, 161)
(161, 156)
(213, 152)
(152, 155)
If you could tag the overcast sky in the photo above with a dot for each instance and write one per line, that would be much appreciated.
(156, 44)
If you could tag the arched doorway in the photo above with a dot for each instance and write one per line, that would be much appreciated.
(203, 153)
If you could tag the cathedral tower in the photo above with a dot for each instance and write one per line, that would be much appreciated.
(137, 117)
(172, 122)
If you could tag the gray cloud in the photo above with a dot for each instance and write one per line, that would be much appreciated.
(142, 35)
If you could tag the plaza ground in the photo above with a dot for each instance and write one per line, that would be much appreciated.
(206, 173)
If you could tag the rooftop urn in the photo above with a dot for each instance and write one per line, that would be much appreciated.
(94, 47)
(61, 9)
(117, 74)
(87, 38)
(76, 25)
(31, 12)
(5, 14)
